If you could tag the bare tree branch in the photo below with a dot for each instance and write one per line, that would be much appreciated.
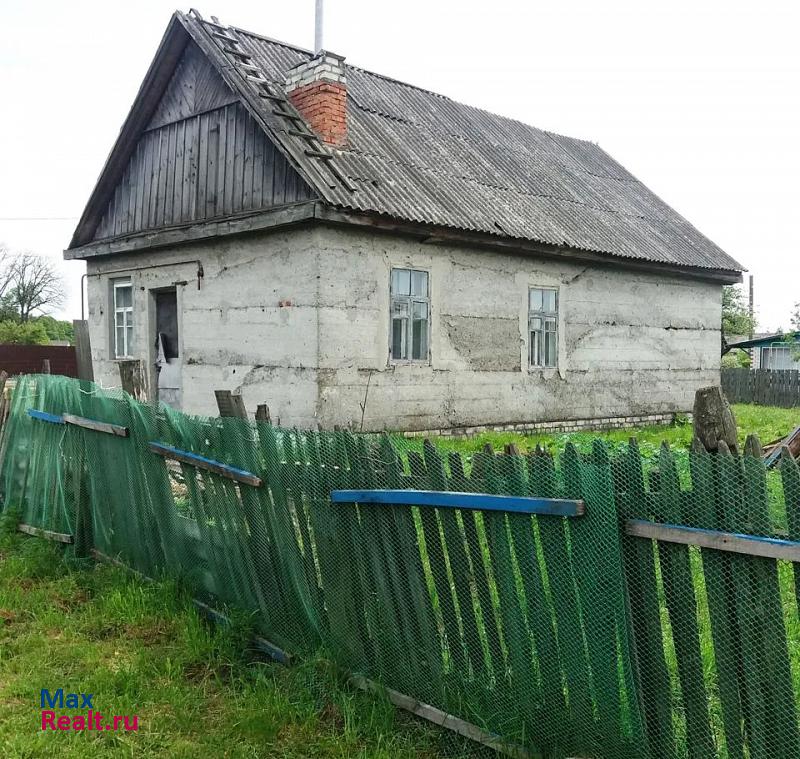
(6, 269)
(35, 285)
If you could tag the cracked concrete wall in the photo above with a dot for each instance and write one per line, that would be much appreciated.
(629, 342)
(251, 327)
(300, 320)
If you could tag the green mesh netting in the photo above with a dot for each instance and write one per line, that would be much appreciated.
(564, 636)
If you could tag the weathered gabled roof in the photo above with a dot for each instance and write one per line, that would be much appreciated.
(416, 156)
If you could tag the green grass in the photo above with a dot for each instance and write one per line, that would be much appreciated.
(141, 649)
(768, 422)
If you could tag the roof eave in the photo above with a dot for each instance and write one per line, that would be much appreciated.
(432, 234)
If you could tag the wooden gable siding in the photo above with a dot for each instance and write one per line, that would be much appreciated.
(217, 163)
(194, 88)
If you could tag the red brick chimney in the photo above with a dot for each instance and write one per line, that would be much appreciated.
(318, 89)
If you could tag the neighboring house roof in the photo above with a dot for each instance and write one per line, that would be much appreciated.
(416, 156)
(776, 338)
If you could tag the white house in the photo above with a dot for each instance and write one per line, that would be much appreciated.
(321, 238)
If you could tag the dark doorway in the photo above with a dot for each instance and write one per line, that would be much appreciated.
(167, 345)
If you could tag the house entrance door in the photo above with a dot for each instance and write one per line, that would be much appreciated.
(168, 359)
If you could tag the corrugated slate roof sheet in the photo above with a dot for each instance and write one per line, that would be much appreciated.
(422, 157)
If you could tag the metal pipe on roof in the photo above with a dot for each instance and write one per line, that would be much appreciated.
(318, 26)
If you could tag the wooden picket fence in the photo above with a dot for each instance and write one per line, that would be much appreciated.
(765, 387)
(660, 621)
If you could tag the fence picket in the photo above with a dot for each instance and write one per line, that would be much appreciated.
(721, 604)
(644, 602)
(776, 676)
(563, 595)
(681, 602)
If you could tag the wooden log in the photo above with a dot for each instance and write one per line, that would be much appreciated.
(230, 404)
(97, 426)
(38, 532)
(442, 719)
(713, 419)
(83, 350)
(133, 377)
(750, 545)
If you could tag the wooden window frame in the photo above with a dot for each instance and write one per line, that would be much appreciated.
(126, 312)
(409, 301)
(537, 342)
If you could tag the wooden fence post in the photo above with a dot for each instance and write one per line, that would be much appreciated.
(230, 404)
(134, 379)
(83, 350)
(713, 419)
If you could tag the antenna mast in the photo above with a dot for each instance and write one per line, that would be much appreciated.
(318, 26)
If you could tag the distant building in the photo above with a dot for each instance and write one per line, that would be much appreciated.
(774, 351)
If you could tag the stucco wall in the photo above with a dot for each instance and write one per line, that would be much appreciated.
(233, 333)
(629, 343)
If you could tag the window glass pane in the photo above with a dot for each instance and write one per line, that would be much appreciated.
(401, 282)
(535, 299)
(420, 310)
(550, 325)
(124, 296)
(549, 300)
(129, 341)
(399, 308)
(537, 342)
(536, 323)
(119, 348)
(419, 343)
(398, 338)
(549, 349)
(419, 283)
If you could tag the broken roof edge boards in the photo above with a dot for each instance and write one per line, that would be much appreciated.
(277, 217)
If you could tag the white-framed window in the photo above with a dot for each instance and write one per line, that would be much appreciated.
(410, 315)
(123, 318)
(543, 326)
(777, 356)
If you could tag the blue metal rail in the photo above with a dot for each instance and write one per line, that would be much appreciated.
(558, 507)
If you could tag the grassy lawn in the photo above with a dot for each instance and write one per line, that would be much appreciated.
(142, 650)
(767, 422)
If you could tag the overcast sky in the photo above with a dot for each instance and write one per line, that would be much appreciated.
(700, 100)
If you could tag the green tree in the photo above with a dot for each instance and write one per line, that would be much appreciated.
(736, 319)
(57, 329)
(23, 333)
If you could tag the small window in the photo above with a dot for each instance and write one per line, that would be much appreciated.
(410, 315)
(123, 318)
(543, 326)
